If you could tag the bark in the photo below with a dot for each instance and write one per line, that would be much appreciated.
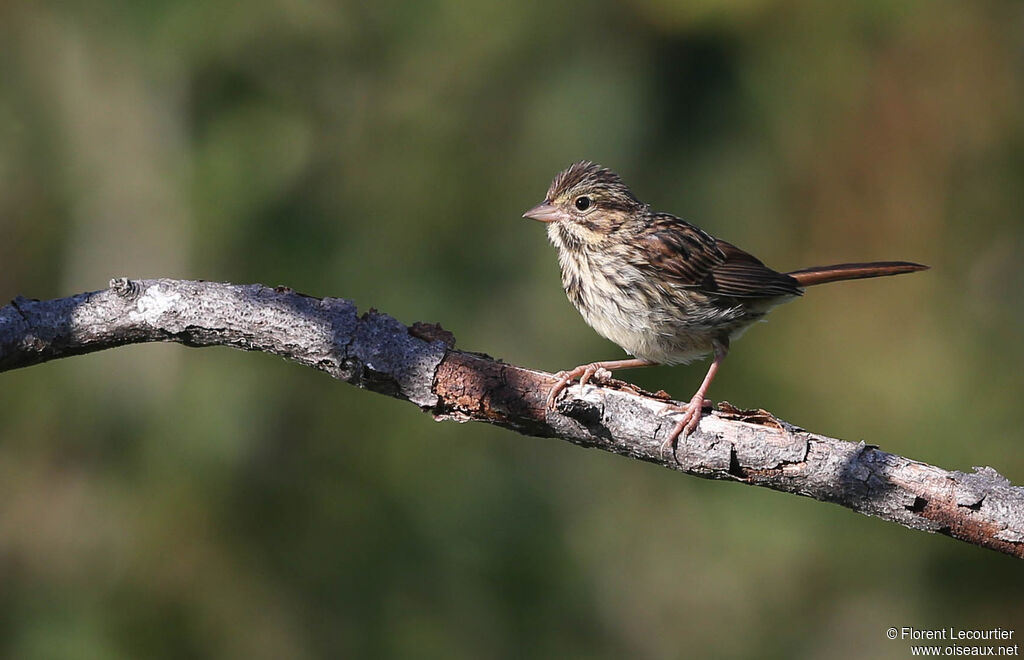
(421, 365)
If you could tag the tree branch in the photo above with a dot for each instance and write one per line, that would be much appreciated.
(421, 365)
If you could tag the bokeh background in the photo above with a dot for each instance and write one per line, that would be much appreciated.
(162, 502)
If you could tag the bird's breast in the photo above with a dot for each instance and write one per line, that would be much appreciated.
(650, 318)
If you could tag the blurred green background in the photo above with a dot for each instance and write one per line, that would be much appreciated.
(161, 502)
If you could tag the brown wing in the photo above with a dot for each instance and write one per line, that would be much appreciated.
(687, 255)
(679, 251)
(743, 275)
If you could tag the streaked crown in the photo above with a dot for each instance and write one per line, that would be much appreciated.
(600, 185)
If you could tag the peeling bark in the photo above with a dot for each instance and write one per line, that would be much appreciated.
(421, 365)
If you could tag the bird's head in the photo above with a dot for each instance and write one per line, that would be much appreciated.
(591, 199)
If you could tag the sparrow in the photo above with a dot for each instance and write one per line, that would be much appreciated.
(664, 290)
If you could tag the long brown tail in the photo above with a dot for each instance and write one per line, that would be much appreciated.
(822, 274)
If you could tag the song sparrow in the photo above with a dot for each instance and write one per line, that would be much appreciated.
(662, 289)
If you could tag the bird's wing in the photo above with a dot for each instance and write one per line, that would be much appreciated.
(744, 276)
(684, 254)
(676, 250)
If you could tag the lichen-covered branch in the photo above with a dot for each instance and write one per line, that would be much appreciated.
(420, 364)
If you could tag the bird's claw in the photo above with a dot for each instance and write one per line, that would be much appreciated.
(584, 372)
(692, 412)
(599, 375)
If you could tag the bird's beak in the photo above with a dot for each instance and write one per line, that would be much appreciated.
(545, 212)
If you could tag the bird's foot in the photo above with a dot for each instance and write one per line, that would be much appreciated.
(584, 372)
(692, 413)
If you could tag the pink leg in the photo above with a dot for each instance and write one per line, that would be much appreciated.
(586, 371)
(691, 418)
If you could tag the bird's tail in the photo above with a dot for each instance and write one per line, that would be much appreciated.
(822, 274)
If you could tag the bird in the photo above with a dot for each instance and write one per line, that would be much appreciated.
(664, 290)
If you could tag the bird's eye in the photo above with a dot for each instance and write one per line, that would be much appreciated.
(583, 203)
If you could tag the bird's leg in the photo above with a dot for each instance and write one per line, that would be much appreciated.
(693, 412)
(586, 371)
